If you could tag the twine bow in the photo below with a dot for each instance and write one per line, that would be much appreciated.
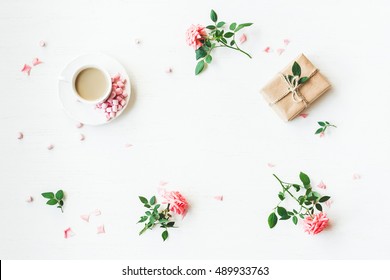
(293, 87)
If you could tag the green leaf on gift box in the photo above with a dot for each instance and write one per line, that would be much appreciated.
(228, 34)
(52, 202)
(211, 27)
(233, 26)
(321, 123)
(164, 235)
(290, 78)
(220, 24)
(304, 179)
(303, 80)
(242, 25)
(200, 53)
(319, 130)
(324, 199)
(213, 16)
(60, 194)
(48, 195)
(143, 199)
(281, 211)
(295, 220)
(319, 207)
(199, 67)
(296, 69)
(272, 220)
(208, 59)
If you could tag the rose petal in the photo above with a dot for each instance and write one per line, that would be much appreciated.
(100, 229)
(303, 115)
(219, 197)
(329, 203)
(97, 212)
(280, 51)
(85, 218)
(168, 70)
(82, 137)
(322, 134)
(163, 183)
(321, 185)
(29, 199)
(286, 42)
(270, 165)
(79, 125)
(243, 39)
(356, 176)
(42, 43)
(267, 50)
(36, 61)
(128, 145)
(20, 135)
(26, 69)
(50, 147)
(137, 41)
(68, 233)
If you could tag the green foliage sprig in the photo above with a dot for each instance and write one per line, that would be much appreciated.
(218, 37)
(55, 199)
(323, 126)
(308, 201)
(156, 217)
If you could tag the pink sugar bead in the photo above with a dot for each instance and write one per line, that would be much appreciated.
(109, 100)
(120, 107)
(123, 81)
(115, 108)
(112, 114)
(108, 110)
(120, 84)
(123, 102)
(119, 91)
(117, 77)
(108, 117)
(119, 98)
(114, 86)
(112, 95)
(124, 94)
(115, 102)
(104, 105)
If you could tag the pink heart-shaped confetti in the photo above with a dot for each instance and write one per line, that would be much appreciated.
(329, 203)
(280, 51)
(303, 115)
(29, 199)
(356, 176)
(128, 145)
(270, 165)
(169, 70)
(79, 125)
(97, 212)
(50, 147)
(286, 42)
(219, 197)
(68, 233)
(82, 137)
(100, 229)
(85, 218)
(267, 50)
(36, 61)
(321, 185)
(20, 135)
(42, 43)
(26, 69)
(243, 38)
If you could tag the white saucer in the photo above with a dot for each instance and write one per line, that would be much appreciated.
(84, 113)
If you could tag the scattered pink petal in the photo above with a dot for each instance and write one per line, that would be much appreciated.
(168, 70)
(137, 41)
(36, 61)
(128, 145)
(219, 197)
(329, 203)
(356, 176)
(97, 212)
(42, 43)
(20, 135)
(68, 233)
(243, 39)
(100, 229)
(322, 134)
(82, 137)
(85, 218)
(321, 185)
(79, 125)
(303, 115)
(29, 199)
(267, 50)
(26, 69)
(50, 147)
(270, 165)
(286, 42)
(280, 51)
(163, 183)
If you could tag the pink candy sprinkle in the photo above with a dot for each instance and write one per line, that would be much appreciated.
(219, 197)
(79, 125)
(50, 147)
(267, 50)
(29, 199)
(20, 135)
(280, 51)
(68, 233)
(36, 61)
(100, 229)
(321, 185)
(42, 43)
(26, 69)
(243, 39)
(85, 218)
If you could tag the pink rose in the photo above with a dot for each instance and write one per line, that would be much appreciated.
(177, 203)
(195, 36)
(315, 224)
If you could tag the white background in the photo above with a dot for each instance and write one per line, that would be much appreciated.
(205, 135)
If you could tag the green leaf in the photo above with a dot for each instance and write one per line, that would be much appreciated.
(164, 235)
(290, 78)
(199, 67)
(284, 218)
(242, 25)
(327, 123)
(148, 213)
(220, 24)
(301, 200)
(143, 199)
(324, 199)
(318, 131)
(316, 194)
(295, 220)
(147, 205)
(213, 16)
(321, 123)
(142, 219)
(200, 53)
(48, 195)
(152, 201)
(229, 34)
(61, 203)
(319, 207)
(301, 215)
(304, 179)
(296, 69)
(296, 187)
(233, 26)
(52, 202)
(281, 211)
(211, 27)
(272, 220)
(303, 80)
(232, 42)
(208, 43)
(281, 196)
(208, 59)
(224, 40)
(295, 211)
(170, 224)
(60, 194)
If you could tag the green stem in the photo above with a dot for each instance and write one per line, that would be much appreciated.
(237, 49)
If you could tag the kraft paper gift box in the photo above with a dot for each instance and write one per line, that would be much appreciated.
(295, 88)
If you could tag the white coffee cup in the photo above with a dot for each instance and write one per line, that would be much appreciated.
(91, 84)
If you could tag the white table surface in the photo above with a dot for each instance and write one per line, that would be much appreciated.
(205, 135)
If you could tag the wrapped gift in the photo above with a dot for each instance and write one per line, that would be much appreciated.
(295, 88)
